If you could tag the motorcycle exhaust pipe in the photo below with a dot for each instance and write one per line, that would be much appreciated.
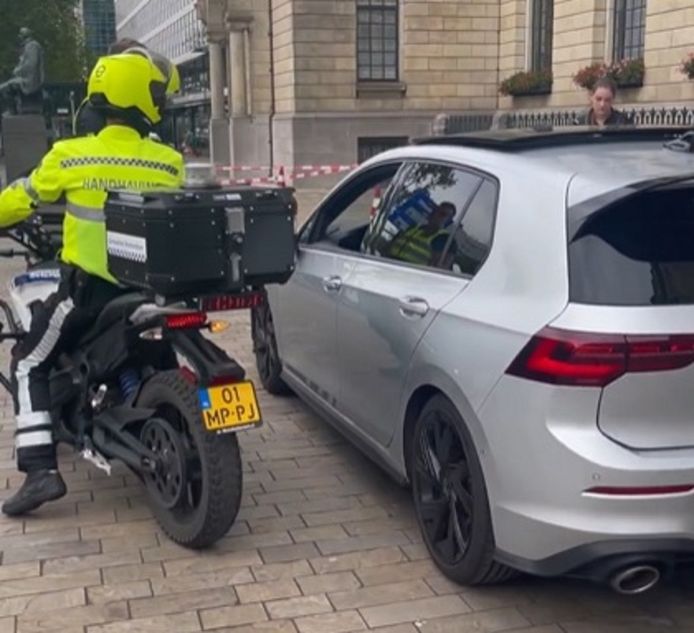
(635, 579)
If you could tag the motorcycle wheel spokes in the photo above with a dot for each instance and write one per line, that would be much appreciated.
(176, 483)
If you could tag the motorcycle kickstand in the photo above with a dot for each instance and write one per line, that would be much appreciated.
(90, 454)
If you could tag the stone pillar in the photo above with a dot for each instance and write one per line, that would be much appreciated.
(241, 132)
(219, 138)
(216, 80)
(237, 73)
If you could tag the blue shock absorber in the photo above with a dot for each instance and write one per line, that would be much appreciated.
(129, 381)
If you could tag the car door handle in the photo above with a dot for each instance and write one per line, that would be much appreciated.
(413, 306)
(332, 284)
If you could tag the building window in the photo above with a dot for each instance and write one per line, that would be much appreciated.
(377, 40)
(370, 146)
(629, 29)
(542, 16)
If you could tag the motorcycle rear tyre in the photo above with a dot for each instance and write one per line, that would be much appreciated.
(220, 473)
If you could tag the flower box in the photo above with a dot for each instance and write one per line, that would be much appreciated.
(627, 73)
(527, 84)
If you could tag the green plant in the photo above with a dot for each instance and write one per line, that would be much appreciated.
(625, 73)
(687, 66)
(527, 83)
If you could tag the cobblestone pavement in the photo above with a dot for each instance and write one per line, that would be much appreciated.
(324, 543)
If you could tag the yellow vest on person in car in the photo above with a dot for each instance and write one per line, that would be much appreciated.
(83, 169)
(415, 245)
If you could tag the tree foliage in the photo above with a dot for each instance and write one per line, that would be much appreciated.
(55, 25)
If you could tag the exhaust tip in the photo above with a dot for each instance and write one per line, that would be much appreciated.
(635, 580)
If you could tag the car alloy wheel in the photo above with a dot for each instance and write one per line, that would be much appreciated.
(450, 497)
(267, 356)
(443, 487)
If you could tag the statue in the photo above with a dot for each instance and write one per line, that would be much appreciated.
(28, 76)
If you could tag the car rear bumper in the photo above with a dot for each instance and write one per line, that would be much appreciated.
(599, 560)
(542, 459)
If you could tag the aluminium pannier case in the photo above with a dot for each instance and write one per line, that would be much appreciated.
(196, 241)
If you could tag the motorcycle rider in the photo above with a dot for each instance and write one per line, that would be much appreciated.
(130, 89)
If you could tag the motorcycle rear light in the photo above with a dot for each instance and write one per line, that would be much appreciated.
(639, 491)
(220, 303)
(187, 321)
(560, 357)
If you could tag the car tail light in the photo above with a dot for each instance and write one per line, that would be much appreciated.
(560, 357)
(186, 321)
(218, 303)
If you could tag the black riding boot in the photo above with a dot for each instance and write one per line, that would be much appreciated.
(39, 487)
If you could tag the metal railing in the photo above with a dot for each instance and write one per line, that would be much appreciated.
(639, 115)
(459, 123)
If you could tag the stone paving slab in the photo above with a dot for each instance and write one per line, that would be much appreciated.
(324, 543)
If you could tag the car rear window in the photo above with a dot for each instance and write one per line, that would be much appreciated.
(636, 252)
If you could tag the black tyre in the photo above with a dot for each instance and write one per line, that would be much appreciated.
(267, 357)
(450, 497)
(196, 497)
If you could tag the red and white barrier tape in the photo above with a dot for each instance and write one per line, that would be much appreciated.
(281, 174)
(296, 169)
(321, 169)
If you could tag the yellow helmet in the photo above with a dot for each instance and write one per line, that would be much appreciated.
(167, 67)
(129, 84)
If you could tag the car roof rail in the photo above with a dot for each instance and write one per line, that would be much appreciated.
(511, 140)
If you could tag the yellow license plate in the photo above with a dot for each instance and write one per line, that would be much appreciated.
(229, 406)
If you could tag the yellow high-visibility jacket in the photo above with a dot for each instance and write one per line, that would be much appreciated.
(83, 169)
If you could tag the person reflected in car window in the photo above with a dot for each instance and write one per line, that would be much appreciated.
(424, 244)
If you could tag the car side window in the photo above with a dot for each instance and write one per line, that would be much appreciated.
(472, 239)
(417, 224)
(345, 217)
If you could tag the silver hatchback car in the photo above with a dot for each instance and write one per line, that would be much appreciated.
(505, 321)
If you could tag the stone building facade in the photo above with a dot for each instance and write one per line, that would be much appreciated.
(316, 81)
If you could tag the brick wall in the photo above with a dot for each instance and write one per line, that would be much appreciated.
(450, 54)
(579, 40)
(582, 36)
(512, 37)
(669, 38)
(324, 55)
(453, 53)
(448, 57)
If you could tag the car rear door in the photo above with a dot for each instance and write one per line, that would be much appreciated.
(393, 294)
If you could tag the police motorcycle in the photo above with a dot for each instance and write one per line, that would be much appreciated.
(143, 385)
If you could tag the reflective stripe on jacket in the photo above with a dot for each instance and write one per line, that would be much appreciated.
(83, 169)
